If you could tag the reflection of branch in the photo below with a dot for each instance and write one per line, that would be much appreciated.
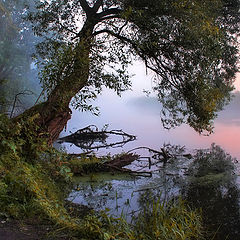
(86, 137)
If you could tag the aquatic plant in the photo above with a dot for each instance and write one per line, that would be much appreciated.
(168, 220)
(211, 166)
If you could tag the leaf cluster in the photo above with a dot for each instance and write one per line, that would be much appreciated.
(29, 175)
(212, 166)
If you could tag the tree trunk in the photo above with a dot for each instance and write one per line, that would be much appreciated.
(54, 114)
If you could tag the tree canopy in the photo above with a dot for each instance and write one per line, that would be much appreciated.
(190, 45)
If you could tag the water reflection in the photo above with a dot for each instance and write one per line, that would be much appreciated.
(207, 181)
(91, 137)
(121, 193)
(212, 187)
(215, 190)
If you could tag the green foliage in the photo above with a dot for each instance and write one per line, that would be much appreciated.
(213, 186)
(85, 165)
(211, 167)
(188, 49)
(170, 221)
(28, 184)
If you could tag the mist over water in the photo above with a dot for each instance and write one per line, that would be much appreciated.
(137, 114)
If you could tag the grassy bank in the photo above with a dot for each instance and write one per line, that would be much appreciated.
(35, 180)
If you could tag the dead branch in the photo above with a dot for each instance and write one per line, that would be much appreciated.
(164, 154)
(25, 92)
(85, 138)
(122, 160)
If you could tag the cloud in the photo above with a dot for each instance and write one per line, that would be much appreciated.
(148, 105)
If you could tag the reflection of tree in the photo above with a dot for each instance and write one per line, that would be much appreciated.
(212, 187)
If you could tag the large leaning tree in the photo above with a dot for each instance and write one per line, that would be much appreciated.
(190, 45)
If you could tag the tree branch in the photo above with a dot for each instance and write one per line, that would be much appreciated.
(108, 12)
(140, 54)
(66, 28)
(85, 7)
(122, 38)
(97, 5)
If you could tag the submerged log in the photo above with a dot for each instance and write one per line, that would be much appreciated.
(122, 160)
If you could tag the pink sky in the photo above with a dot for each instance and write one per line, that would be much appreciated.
(237, 82)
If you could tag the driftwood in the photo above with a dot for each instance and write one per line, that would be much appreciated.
(162, 155)
(85, 138)
(122, 160)
(119, 162)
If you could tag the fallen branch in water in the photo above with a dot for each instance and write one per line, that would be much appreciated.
(119, 162)
(85, 138)
(164, 154)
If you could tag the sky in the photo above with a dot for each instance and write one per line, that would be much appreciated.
(237, 82)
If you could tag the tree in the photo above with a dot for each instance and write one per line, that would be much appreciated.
(191, 46)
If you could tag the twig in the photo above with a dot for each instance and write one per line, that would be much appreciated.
(150, 149)
(25, 92)
(38, 97)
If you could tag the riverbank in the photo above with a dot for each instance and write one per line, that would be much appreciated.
(35, 180)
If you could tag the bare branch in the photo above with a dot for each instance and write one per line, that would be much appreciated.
(25, 92)
(122, 27)
(86, 138)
